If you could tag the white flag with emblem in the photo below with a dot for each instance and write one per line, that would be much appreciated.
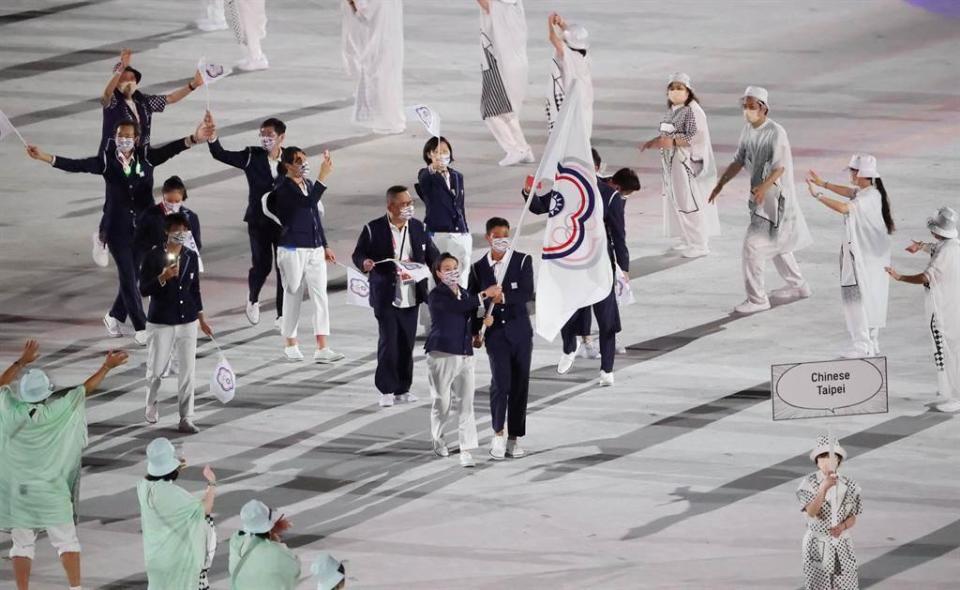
(427, 117)
(212, 72)
(575, 270)
(358, 288)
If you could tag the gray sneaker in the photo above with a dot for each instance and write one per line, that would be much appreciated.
(187, 426)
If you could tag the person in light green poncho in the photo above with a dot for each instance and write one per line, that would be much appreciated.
(42, 436)
(258, 558)
(178, 534)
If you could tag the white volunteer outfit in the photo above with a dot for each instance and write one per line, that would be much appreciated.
(504, 69)
(452, 384)
(689, 174)
(176, 345)
(942, 295)
(864, 254)
(777, 227)
(248, 19)
(372, 45)
(571, 66)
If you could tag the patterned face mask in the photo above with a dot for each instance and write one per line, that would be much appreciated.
(268, 142)
(500, 245)
(179, 237)
(407, 212)
(125, 144)
(450, 277)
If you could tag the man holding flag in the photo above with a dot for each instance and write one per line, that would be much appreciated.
(577, 267)
(393, 249)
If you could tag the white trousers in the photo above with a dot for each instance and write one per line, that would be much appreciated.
(506, 130)
(212, 10)
(178, 343)
(865, 340)
(253, 19)
(63, 537)
(754, 263)
(452, 383)
(303, 269)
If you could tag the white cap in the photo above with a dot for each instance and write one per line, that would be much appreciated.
(327, 570)
(680, 77)
(823, 446)
(576, 37)
(35, 387)
(944, 224)
(854, 162)
(867, 167)
(256, 517)
(161, 457)
(758, 92)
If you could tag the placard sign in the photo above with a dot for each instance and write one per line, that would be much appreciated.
(826, 389)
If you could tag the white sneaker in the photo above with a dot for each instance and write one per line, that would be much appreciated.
(566, 361)
(694, 252)
(514, 449)
(112, 325)
(679, 247)
(141, 337)
(512, 159)
(528, 157)
(252, 65)
(621, 350)
(292, 353)
(853, 353)
(253, 312)
(406, 398)
(187, 426)
(606, 379)
(498, 447)
(466, 459)
(593, 351)
(152, 413)
(207, 25)
(801, 292)
(748, 307)
(327, 355)
(386, 400)
(950, 407)
(440, 448)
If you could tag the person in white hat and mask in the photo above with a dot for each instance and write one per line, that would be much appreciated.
(777, 227)
(179, 539)
(42, 436)
(864, 251)
(504, 66)
(330, 573)
(941, 281)
(258, 557)
(570, 63)
(830, 504)
(689, 170)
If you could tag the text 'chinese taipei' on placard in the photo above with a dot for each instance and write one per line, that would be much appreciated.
(822, 389)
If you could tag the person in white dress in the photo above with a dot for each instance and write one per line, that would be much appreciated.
(248, 19)
(777, 227)
(689, 170)
(864, 251)
(504, 67)
(570, 63)
(941, 281)
(213, 18)
(372, 44)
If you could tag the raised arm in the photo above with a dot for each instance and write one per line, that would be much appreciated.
(91, 165)
(107, 95)
(31, 352)
(843, 191)
(554, 21)
(838, 206)
(178, 94)
(114, 359)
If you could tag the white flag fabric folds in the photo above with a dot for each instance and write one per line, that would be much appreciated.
(223, 382)
(417, 270)
(358, 288)
(427, 117)
(624, 292)
(7, 129)
(575, 269)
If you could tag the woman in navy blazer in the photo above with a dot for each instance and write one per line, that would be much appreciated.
(450, 355)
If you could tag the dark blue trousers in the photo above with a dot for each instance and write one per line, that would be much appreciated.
(128, 302)
(398, 333)
(510, 381)
(263, 256)
(608, 322)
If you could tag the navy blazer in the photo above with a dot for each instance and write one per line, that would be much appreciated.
(150, 230)
(125, 196)
(255, 163)
(178, 300)
(510, 317)
(376, 243)
(450, 319)
(299, 217)
(614, 221)
(445, 206)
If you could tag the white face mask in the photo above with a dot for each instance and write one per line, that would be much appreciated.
(500, 245)
(407, 212)
(125, 144)
(305, 169)
(179, 237)
(450, 278)
(128, 88)
(752, 116)
(445, 160)
(678, 97)
(268, 142)
(173, 207)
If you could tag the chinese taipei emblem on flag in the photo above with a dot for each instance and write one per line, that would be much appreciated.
(575, 269)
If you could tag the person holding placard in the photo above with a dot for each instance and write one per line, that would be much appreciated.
(830, 504)
(777, 227)
(864, 252)
(941, 281)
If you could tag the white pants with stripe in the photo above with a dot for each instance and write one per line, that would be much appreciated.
(303, 269)
(452, 383)
(177, 343)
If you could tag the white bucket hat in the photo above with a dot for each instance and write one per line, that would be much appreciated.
(576, 37)
(867, 167)
(823, 446)
(327, 570)
(758, 92)
(256, 517)
(680, 77)
(161, 457)
(854, 162)
(35, 387)
(944, 224)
